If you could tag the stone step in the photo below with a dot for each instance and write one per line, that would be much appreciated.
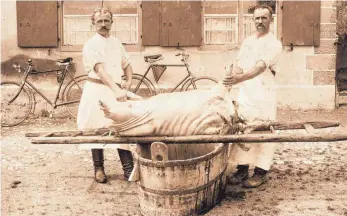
(342, 98)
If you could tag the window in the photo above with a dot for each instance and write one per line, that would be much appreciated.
(77, 29)
(220, 29)
(77, 26)
(221, 22)
(125, 28)
(230, 22)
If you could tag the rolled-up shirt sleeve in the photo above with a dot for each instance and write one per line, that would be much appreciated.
(90, 58)
(125, 56)
(271, 54)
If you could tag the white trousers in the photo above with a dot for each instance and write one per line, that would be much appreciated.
(260, 155)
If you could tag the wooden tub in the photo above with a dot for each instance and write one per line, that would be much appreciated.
(191, 182)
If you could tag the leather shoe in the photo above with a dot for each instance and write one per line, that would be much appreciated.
(255, 181)
(100, 175)
(238, 177)
(127, 162)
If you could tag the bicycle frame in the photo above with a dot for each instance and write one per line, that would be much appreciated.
(190, 75)
(29, 71)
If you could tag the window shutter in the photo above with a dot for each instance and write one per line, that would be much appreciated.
(151, 23)
(301, 23)
(37, 23)
(180, 23)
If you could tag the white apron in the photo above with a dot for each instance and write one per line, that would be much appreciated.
(90, 116)
(257, 96)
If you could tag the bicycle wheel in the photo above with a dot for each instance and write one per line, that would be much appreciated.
(144, 89)
(16, 112)
(203, 82)
(72, 95)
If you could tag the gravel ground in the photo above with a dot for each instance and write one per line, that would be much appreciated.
(306, 178)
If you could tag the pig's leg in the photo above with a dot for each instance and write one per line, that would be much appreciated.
(119, 112)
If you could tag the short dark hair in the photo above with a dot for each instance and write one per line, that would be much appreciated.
(263, 6)
(100, 10)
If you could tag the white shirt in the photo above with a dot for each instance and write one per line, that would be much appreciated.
(108, 51)
(259, 93)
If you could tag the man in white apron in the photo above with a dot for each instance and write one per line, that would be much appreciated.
(255, 71)
(105, 60)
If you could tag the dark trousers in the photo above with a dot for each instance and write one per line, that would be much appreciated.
(125, 156)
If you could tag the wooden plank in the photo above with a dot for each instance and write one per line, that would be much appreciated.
(295, 125)
(47, 134)
(309, 128)
(249, 138)
(259, 127)
(301, 23)
(71, 133)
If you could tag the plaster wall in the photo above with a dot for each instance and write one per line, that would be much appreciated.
(305, 75)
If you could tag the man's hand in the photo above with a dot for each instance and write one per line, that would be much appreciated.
(121, 96)
(232, 79)
(126, 85)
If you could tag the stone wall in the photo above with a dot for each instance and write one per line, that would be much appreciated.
(311, 79)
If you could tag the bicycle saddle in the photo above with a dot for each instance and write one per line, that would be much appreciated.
(146, 57)
(67, 60)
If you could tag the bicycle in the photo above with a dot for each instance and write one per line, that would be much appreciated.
(142, 86)
(18, 99)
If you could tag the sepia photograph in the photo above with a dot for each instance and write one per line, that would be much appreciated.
(173, 108)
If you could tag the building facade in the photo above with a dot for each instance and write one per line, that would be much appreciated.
(210, 31)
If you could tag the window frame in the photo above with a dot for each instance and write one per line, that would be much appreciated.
(240, 34)
(79, 47)
(221, 16)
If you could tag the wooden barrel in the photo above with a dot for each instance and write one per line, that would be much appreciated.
(189, 186)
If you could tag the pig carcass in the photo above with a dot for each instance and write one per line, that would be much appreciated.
(196, 112)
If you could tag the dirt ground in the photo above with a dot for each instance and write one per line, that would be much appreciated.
(306, 178)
